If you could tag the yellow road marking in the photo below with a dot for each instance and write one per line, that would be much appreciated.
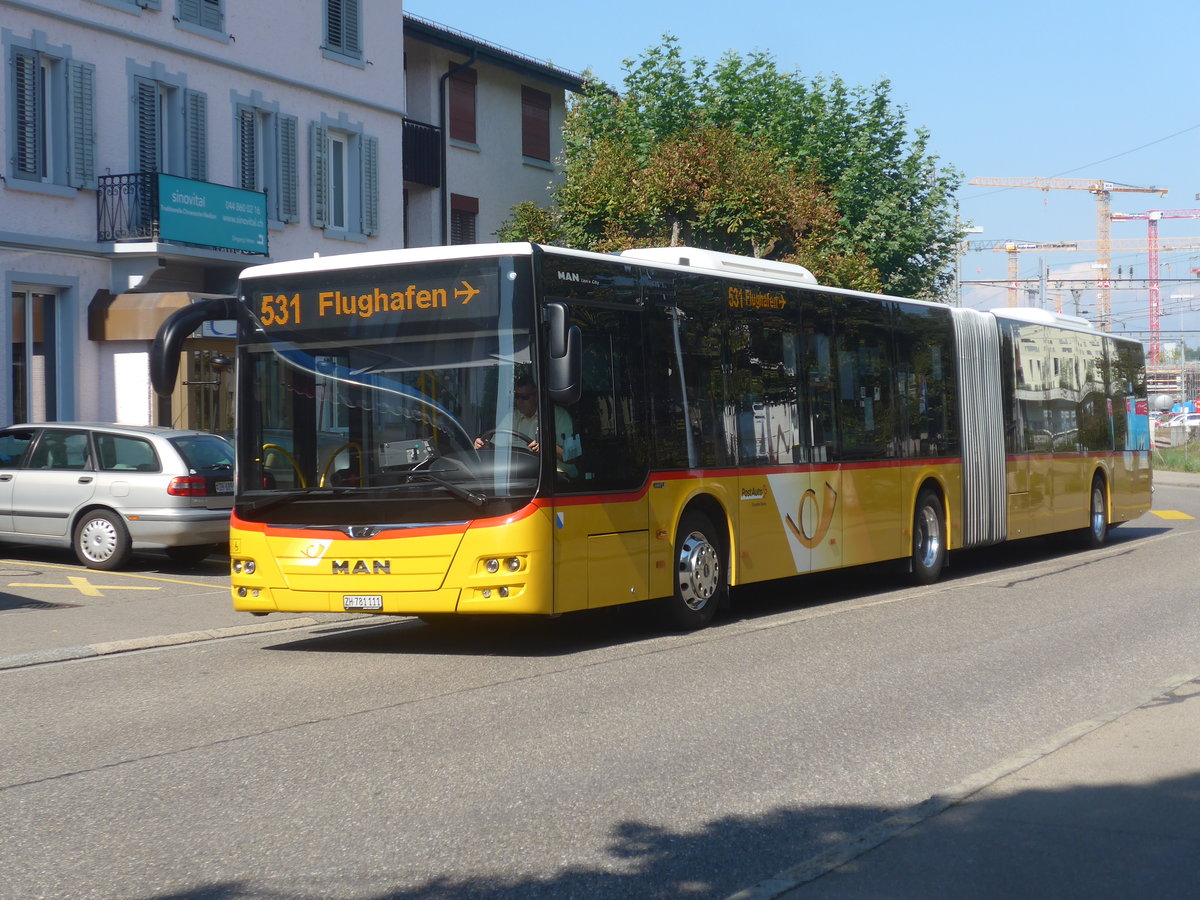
(1171, 514)
(84, 586)
(38, 565)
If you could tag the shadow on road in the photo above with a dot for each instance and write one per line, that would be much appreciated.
(1115, 840)
(526, 636)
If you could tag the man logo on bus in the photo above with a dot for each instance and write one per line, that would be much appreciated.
(378, 567)
(809, 512)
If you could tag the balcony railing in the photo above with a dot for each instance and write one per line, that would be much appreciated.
(151, 206)
(127, 207)
(422, 153)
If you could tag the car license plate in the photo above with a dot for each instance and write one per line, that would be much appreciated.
(224, 487)
(362, 601)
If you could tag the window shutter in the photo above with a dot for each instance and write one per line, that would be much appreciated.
(196, 144)
(342, 26)
(535, 124)
(289, 178)
(319, 176)
(370, 185)
(462, 105)
(205, 13)
(210, 15)
(146, 102)
(247, 126)
(81, 122)
(29, 126)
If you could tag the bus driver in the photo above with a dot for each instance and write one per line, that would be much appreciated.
(523, 421)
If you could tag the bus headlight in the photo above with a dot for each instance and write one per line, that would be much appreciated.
(492, 566)
(243, 566)
(513, 564)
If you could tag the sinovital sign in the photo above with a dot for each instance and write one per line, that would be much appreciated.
(211, 215)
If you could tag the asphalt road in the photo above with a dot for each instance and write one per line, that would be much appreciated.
(587, 756)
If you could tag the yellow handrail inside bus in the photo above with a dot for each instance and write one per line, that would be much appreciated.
(362, 471)
(286, 455)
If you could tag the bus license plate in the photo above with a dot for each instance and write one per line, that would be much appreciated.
(362, 601)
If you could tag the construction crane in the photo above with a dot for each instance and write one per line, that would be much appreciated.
(1014, 249)
(1152, 218)
(1103, 191)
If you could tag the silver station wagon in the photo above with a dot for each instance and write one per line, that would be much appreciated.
(107, 490)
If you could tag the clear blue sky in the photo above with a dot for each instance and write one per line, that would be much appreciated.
(1057, 88)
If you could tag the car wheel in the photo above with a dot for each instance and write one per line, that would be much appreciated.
(102, 540)
(191, 555)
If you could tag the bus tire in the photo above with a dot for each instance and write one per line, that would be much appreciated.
(1096, 532)
(929, 537)
(101, 540)
(700, 580)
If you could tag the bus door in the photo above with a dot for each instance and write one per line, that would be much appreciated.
(816, 525)
(601, 541)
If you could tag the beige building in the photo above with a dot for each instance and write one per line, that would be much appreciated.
(154, 148)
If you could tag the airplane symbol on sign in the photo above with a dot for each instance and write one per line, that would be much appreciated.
(467, 294)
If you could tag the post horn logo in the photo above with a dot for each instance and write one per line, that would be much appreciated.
(822, 513)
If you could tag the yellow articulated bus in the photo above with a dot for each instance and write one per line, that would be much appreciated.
(511, 428)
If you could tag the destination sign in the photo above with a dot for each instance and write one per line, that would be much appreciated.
(752, 298)
(386, 301)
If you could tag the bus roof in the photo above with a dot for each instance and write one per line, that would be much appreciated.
(688, 257)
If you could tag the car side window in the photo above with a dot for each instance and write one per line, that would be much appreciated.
(61, 450)
(119, 453)
(13, 445)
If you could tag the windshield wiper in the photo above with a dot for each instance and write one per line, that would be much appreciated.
(279, 497)
(457, 490)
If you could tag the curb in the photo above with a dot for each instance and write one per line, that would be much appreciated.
(108, 648)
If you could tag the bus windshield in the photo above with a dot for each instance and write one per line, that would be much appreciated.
(386, 396)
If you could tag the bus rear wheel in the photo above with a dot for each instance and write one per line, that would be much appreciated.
(700, 579)
(929, 538)
(1096, 532)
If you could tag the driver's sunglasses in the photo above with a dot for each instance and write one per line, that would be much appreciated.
(521, 396)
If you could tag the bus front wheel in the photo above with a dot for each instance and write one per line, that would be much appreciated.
(700, 579)
(929, 538)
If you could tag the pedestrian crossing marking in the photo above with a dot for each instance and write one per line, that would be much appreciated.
(1171, 514)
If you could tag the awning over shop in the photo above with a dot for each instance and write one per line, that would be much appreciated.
(135, 317)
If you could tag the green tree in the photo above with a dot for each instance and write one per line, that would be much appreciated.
(746, 158)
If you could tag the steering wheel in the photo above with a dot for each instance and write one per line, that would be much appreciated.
(487, 437)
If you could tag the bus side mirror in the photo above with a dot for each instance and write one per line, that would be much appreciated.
(565, 379)
(168, 343)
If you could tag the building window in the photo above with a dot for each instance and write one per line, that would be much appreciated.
(462, 104)
(207, 15)
(344, 180)
(171, 129)
(463, 213)
(343, 28)
(52, 118)
(267, 159)
(34, 330)
(535, 124)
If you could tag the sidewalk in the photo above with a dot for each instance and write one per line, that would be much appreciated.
(1106, 809)
(1176, 479)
